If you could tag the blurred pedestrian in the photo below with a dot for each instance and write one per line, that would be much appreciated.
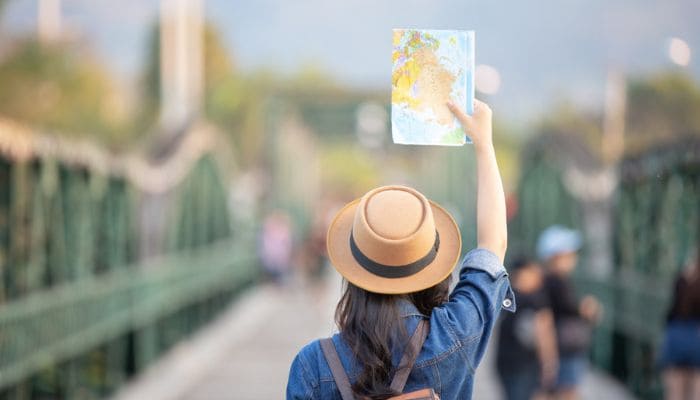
(275, 246)
(680, 351)
(315, 259)
(527, 351)
(557, 248)
(401, 330)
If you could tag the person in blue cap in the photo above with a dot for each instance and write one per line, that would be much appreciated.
(557, 249)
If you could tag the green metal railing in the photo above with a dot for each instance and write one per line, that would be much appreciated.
(73, 318)
(657, 228)
(94, 285)
(543, 199)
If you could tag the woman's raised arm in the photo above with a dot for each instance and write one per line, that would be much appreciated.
(492, 233)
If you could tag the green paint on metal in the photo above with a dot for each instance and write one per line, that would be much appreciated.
(72, 318)
(79, 311)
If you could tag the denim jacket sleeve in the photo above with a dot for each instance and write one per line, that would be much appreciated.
(473, 308)
(300, 385)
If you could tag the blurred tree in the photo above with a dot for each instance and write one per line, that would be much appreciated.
(231, 101)
(147, 113)
(238, 102)
(508, 146)
(58, 88)
(234, 102)
(570, 120)
(348, 170)
(660, 109)
(311, 77)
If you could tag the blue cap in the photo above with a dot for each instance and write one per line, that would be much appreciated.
(557, 239)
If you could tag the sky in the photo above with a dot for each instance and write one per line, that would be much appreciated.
(546, 51)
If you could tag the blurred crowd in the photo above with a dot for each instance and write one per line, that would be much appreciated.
(542, 349)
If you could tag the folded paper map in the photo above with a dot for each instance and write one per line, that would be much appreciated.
(430, 68)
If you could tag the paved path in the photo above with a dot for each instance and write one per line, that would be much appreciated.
(246, 353)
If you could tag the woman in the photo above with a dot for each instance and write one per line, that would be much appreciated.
(396, 251)
(681, 347)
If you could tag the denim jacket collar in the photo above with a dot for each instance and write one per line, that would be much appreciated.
(408, 309)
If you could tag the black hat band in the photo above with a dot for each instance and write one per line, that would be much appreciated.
(394, 271)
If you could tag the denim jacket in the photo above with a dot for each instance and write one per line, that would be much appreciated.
(459, 332)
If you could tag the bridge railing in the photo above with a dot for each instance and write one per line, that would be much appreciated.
(107, 260)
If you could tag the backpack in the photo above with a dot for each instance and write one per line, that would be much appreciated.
(400, 377)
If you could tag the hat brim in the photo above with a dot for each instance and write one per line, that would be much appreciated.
(338, 245)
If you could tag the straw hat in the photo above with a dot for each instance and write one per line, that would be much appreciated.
(393, 240)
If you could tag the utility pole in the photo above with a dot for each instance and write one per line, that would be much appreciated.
(613, 142)
(49, 20)
(181, 62)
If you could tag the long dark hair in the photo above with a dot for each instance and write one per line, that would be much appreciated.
(371, 324)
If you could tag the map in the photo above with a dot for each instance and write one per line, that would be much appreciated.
(431, 67)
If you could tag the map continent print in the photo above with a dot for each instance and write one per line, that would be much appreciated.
(431, 67)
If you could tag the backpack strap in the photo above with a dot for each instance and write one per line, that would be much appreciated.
(408, 359)
(339, 375)
(410, 355)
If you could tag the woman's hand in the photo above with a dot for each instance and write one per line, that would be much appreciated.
(491, 229)
(477, 126)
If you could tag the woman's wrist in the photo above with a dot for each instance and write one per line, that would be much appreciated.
(484, 146)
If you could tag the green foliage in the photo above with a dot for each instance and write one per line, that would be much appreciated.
(147, 115)
(310, 78)
(348, 170)
(660, 109)
(567, 119)
(220, 83)
(55, 88)
(508, 146)
(232, 102)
